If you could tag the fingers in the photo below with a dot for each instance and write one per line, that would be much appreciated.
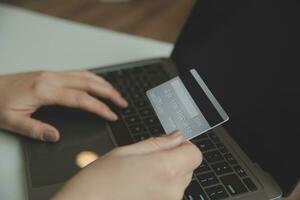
(93, 84)
(33, 128)
(154, 144)
(171, 149)
(90, 75)
(185, 158)
(78, 99)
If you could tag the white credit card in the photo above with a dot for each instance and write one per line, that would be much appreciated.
(185, 103)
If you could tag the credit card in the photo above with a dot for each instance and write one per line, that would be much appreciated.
(185, 103)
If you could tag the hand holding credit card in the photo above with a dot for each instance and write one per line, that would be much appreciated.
(185, 103)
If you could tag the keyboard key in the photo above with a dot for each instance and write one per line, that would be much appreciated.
(145, 85)
(213, 156)
(120, 88)
(138, 70)
(200, 137)
(137, 96)
(118, 73)
(141, 136)
(128, 83)
(125, 96)
(251, 186)
(214, 137)
(141, 104)
(195, 192)
(132, 89)
(207, 179)
(110, 77)
(233, 184)
(156, 130)
(139, 128)
(146, 112)
(132, 119)
(140, 78)
(205, 145)
(221, 168)
(128, 111)
(119, 77)
(202, 168)
(216, 192)
(150, 121)
(230, 159)
(240, 171)
(221, 148)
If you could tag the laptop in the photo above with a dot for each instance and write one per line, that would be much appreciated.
(244, 52)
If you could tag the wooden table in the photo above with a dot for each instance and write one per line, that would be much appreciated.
(157, 19)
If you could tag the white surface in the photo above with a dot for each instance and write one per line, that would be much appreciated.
(34, 41)
(31, 41)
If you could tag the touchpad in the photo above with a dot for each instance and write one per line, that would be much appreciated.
(84, 137)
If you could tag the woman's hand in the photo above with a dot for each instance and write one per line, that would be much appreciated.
(22, 94)
(155, 169)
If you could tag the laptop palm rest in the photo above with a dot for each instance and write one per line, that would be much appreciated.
(52, 163)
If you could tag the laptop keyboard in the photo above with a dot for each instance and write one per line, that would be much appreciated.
(218, 177)
(139, 117)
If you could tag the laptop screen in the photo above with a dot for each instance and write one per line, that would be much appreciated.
(246, 53)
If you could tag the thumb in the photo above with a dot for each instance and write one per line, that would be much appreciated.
(33, 128)
(155, 144)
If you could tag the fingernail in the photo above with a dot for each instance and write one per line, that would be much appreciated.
(112, 115)
(49, 136)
